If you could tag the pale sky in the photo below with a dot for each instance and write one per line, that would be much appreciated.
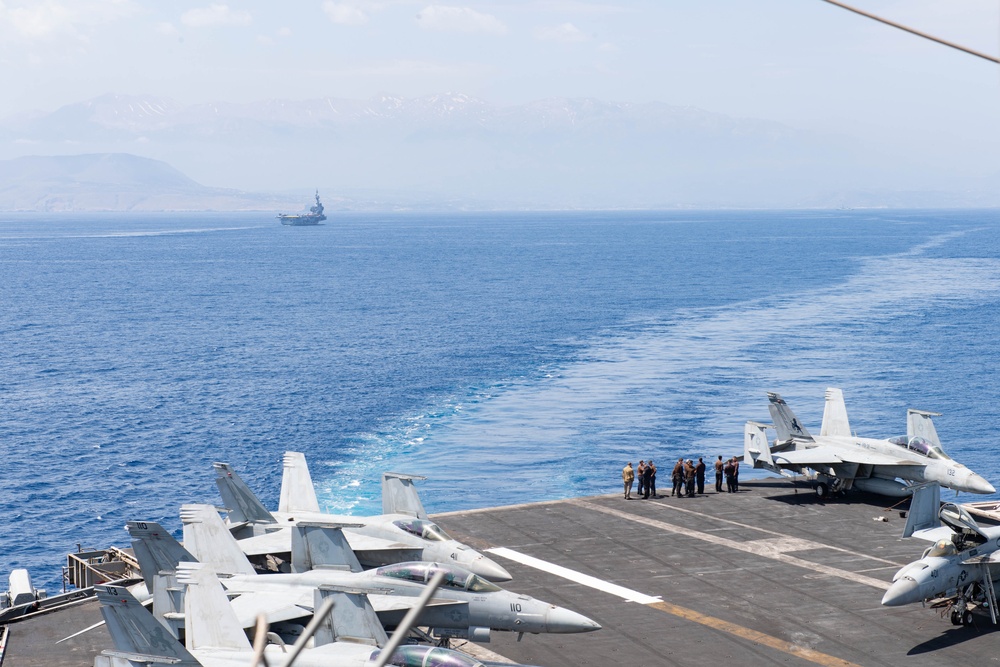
(802, 62)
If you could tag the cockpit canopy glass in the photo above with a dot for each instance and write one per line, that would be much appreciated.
(920, 446)
(428, 530)
(428, 656)
(455, 577)
(942, 548)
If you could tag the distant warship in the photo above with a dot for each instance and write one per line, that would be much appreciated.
(313, 217)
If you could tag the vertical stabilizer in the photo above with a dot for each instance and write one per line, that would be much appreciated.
(835, 415)
(159, 554)
(353, 618)
(318, 546)
(297, 491)
(920, 424)
(924, 507)
(785, 422)
(210, 619)
(756, 450)
(136, 635)
(242, 503)
(399, 496)
(208, 539)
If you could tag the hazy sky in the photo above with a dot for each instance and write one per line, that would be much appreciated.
(803, 62)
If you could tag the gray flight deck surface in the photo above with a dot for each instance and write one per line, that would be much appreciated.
(767, 576)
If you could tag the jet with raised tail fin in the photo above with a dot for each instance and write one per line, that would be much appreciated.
(958, 572)
(842, 461)
(466, 606)
(403, 532)
(214, 638)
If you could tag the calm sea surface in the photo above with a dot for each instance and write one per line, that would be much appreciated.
(508, 357)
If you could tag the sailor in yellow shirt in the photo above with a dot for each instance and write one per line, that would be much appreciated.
(628, 476)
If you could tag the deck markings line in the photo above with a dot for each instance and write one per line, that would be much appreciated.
(758, 529)
(743, 632)
(573, 575)
(740, 631)
(763, 548)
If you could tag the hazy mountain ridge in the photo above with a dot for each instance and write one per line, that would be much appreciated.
(462, 151)
(114, 182)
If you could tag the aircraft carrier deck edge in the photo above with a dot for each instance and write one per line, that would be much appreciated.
(771, 575)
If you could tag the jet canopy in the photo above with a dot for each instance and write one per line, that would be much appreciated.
(921, 446)
(455, 577)
(427, 530)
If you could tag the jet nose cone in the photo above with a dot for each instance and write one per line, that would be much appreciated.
(978, 484)
(903, 591)
(563, 620)
(488, 569)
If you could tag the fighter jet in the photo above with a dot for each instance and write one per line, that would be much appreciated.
(214, 638)
(403, 532)
(467, 606)
(843, 461)
(958, 572)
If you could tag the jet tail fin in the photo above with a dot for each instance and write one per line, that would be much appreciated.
(756, 450)
(353, 618)
(785, 422)
(297, 491)
(137, 636)
(210, 541)
(242, 503)
(399, 496)
(159, 554)
(210, 621)
(835, 420)
(322, 546)
(156, 550)
(919, 423)
(924, 507)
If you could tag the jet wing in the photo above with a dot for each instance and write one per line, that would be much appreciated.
(275, 605)
(826, 455)
(280, 541)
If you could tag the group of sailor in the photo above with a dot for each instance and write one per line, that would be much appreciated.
(688, 478)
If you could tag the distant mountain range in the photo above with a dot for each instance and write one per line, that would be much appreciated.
(445, 151)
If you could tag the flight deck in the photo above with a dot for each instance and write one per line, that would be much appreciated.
(770, 575)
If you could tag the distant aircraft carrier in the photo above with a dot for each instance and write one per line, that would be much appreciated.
(771, 575)
(313, 217)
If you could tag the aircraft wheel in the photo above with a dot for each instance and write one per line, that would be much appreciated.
(821, 490)
(956, 618)
(967, 618)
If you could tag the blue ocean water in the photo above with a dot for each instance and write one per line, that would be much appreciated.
(510, 357)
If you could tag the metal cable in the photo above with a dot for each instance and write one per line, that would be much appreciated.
(918, 33)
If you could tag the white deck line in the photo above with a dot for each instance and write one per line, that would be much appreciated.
(573, 575)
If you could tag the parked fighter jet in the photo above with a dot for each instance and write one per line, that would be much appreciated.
(466, 606)
(402, 533)
(958, 572)
(843, 461)
(215, 639)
